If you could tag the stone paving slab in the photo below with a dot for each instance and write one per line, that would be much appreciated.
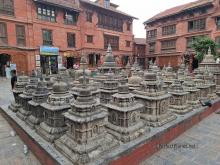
(11, 148)
(205, 135)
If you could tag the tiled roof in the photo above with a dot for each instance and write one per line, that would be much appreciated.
(110, 9)
(61, 3)
(141, 41)
(179, 9)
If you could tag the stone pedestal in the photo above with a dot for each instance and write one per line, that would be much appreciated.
(57, 103)
(156, 100)
(124, 121)
(86, 138)
(204, 88)
(178, 100)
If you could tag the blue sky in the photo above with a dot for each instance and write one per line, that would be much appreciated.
(145, 9)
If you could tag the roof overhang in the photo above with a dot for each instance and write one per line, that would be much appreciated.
(76, 9)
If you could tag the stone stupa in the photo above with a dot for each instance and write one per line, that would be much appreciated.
(124, 121)
(86, 138)
(19, 88)
(53, 125)
(156, 101)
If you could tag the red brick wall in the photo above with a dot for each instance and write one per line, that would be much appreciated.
(25, 14)
(181, 35)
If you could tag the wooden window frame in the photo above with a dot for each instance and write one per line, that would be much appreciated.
(73, 20)
(113, 40)
(21, 38)
(47, 42)
(197, 25)
(4, 37)
(168, 30)
(71, 44)
(46, 13)
(89, 39)
(5, 8)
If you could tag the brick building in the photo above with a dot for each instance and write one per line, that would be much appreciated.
(139, 51)
(170, 33)
(49, 33)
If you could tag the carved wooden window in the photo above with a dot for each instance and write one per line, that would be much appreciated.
(113, 40)
(20, 34)
(70, 18)
(110, 22)
(168, 45)
(89, 38)
(47, 37)
(3, 34)
(7, 7)
(71, 40)
(169, 30)
(152, 46)
(89, 16)
(45, 12)
(197, 25)
(128, 43)
(152, 34)
(218, 23)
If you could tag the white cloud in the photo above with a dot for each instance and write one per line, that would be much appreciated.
(145, 9)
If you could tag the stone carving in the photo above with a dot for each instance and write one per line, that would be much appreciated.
(134, 82)
(156, 101)
(124, 116)
(57, 103)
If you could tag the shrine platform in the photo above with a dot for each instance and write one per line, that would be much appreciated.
(132, 153)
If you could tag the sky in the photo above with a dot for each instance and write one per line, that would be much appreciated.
(145, 9)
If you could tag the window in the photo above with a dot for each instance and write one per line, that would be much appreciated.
(197, 25)
(168, 45)
(110, 22)
(7, 7)
(47, 37)
(217, 40)
(3, 34)
(106, 3)
(128, 26)
(152, 47)
(113, 40)
(152, 34)
(20, 34)
(218, 23)
(71, 40)
(70, 18)
(89, 39)
(46, 13)
(128, 43)
(203, 11)
(89, 16)
(169, 30)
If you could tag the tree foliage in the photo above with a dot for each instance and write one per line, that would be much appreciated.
(201, 46)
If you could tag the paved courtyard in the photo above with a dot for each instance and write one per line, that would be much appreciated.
(198, 146)
(11, 148)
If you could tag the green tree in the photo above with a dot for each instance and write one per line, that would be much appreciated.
(201, 46)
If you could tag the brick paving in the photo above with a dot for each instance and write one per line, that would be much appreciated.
(11, 148)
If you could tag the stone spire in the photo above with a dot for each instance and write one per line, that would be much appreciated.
(208, 58)
(109, 58)
(136, 65)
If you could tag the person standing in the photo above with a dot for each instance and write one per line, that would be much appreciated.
(13, 78)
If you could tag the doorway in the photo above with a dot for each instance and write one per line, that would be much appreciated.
(49, 64)
(94, 60)
(70, 61)
(5, 60)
